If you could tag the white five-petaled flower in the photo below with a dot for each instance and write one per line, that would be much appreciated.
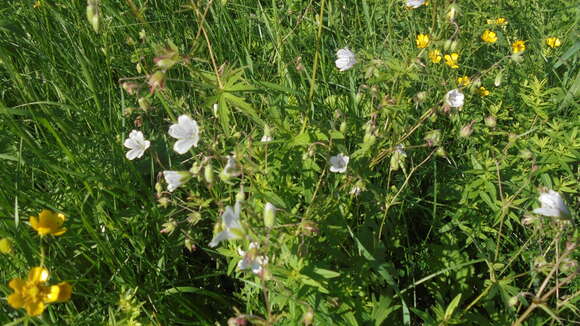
(175, 179)
(454, 98)
(339, 163)
(136, 144)
(231, 226)
(186, 131)
(346, 59)
(552, 205)
(250, 259)
(415, 3)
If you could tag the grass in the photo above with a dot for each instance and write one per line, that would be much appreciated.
(439, 240)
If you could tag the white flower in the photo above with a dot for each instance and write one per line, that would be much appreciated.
(454, 98)
(346, 59)
(232, 168)
(339, 163)
(186, 132)
(175, 179)
(232, 229)
(136, 144)
(250, 259)
(552, 205)
(415, 3)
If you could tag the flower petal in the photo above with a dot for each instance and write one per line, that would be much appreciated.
(17, 284)
(183, 145)
(552, 212)
(38, 275)
(15, 300)
(134, 153)
(34, 308)
(59, 293)
(218, 238)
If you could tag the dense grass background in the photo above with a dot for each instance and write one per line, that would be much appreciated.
(454, 219)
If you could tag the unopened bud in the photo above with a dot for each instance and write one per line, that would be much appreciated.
(208, 173)
(144, 103)
(269, 215)
(308, 317)
(164, 202)
(441, 152)
(156, 81)
(169, 227)
(93, 14)
(130, 88)
(241, 195)
(342, 128)
(467, 130)
(513, 301)
(490, 121)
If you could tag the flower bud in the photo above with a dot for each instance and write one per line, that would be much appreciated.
(241, 195)
(269, 215)
(130, 88)
(164, 202)
(5, 246)
(195, 168)
(497, 80)
(169, 227)
(490, 121)
(513, 301)
(342, 128)
(93, 14)
(369, 139)
(433, 137)
(441, 152)
(144, 103)
(467, 130)
(156, 81)
(208, 173)
(308, 317)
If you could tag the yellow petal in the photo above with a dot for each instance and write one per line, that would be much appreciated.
(59, 293)
(17, 284)
(38, 275)
(16, 301)
(33, 222)
(34, 308)
(60, 231)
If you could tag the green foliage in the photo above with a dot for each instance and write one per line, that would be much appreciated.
(431, 223)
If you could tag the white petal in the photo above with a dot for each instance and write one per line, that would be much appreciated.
(218, 238)
(131, 143)
(229, 218)
(178, 131)
(137, 135)
(134, 153)
(183, 145)
(552, 212)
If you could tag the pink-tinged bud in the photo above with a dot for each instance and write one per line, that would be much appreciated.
(308, 317)
(169, 227)
(130, 87)
(156, 81)
(309, 228)
(490, 121)
(467, 130)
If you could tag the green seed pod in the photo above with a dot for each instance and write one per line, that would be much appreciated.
(269, 215)
(93, 14)
(208, 173)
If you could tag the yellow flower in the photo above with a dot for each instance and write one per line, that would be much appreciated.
(463, 81)
(451, 60)
(33, 294)
(489, 36)
(435, 56)
(37, 4)
(5, 246)
(518, 46)
(483, 92)
(48, 222)
(553, 42)
(422, 41)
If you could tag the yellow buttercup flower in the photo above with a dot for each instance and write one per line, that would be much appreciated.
(422, 41)
(463, 81)
(33, 294)
(553, 42)
(483, 91)
(5, 246)
(48, 222)
(451, 60)
(489, 36)
(435, 56)
(518, 46)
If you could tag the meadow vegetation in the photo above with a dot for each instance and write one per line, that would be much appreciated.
(289, 162)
